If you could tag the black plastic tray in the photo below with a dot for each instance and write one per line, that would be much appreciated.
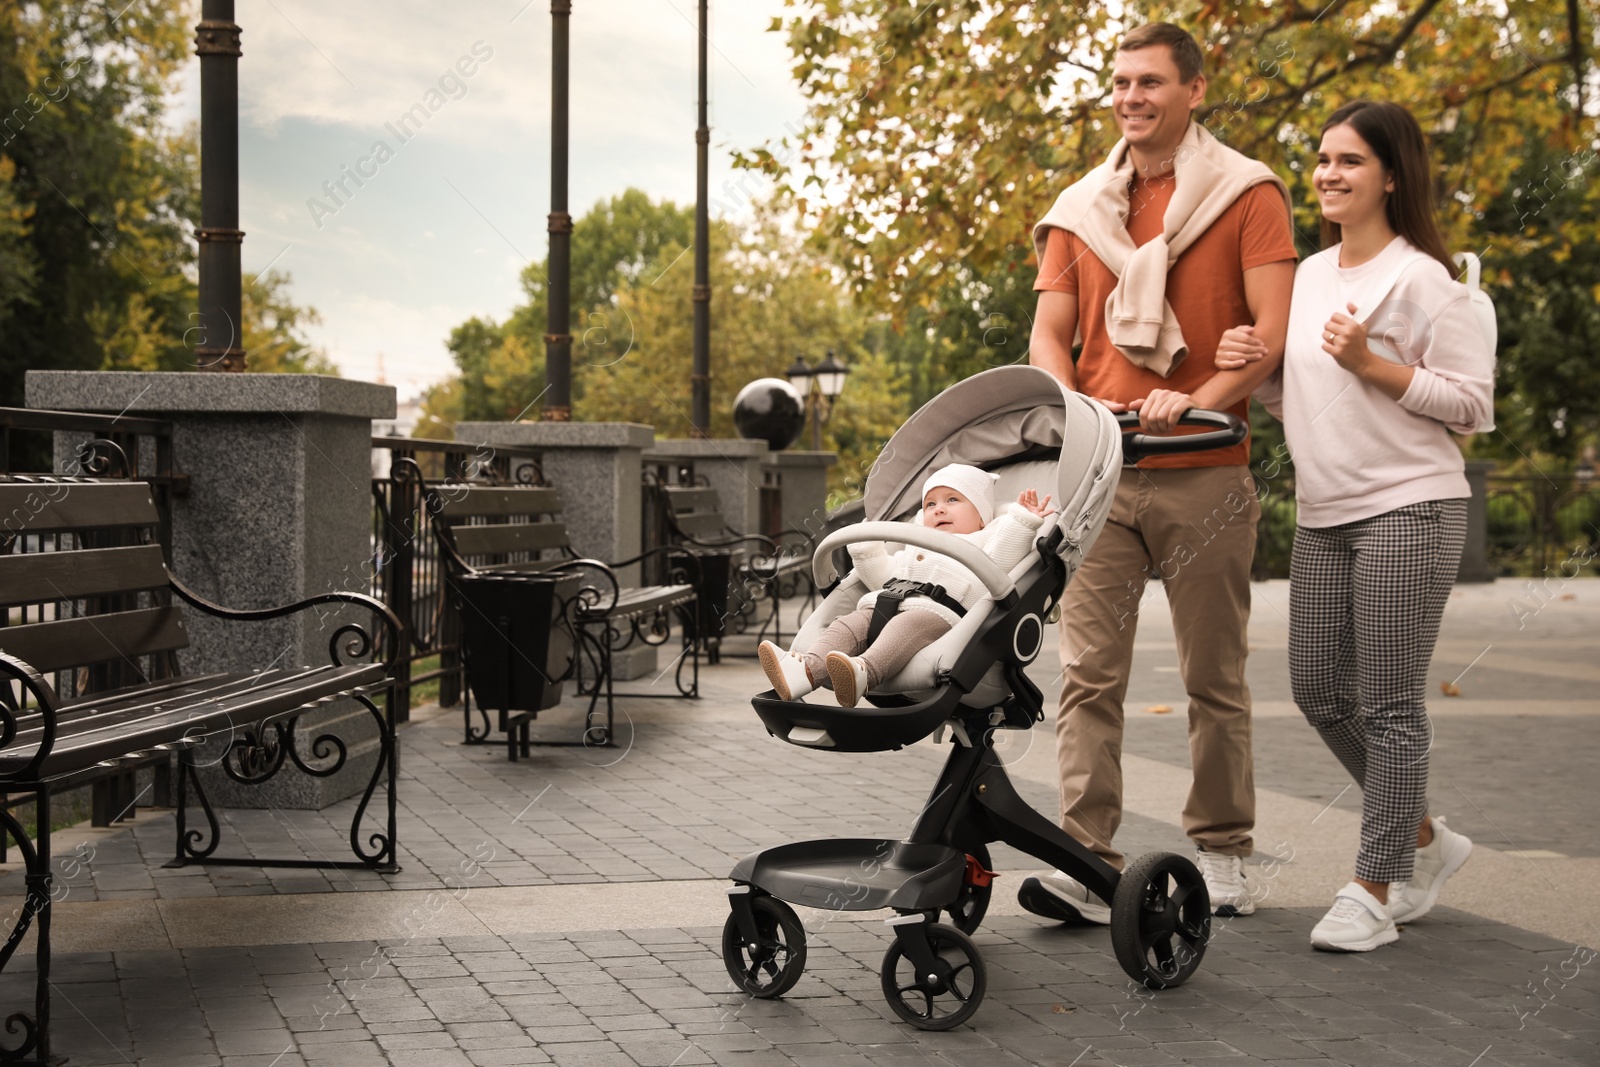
(857, 874)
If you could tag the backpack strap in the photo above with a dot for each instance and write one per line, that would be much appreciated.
(1363, 313)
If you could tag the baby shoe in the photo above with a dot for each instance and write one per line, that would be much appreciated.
(849, 677)
(785, 671)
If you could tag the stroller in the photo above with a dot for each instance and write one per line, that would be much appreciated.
(1019, 423)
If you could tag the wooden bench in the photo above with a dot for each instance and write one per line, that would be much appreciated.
(512, 532)
(93, 621)
(734, 579)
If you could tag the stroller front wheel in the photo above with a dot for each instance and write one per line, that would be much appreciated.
(772, 966)
(944, 999)
(1160, 920)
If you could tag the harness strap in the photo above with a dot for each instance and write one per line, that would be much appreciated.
(893, 595)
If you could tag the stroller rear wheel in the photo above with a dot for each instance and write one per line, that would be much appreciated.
(947, 997)
(1160, 920)
(973, 903)
(771, 967)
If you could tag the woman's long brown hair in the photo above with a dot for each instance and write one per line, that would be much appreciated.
(1399, 144)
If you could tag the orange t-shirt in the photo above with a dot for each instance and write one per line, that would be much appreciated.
(1205, 288)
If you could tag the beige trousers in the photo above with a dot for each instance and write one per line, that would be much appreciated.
(1196, 531)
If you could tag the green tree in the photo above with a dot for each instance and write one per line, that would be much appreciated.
(274, 328)
(104, 194)
(98, 200)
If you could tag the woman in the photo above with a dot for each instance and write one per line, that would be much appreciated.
(1383, 359)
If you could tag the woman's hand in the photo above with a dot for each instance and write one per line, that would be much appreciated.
(1240, 347)
(1345, 340)
(1160, 411)
(1029, 499)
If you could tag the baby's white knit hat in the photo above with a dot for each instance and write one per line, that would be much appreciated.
(972, 483)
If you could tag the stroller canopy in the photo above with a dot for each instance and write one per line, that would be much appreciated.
(998, 418)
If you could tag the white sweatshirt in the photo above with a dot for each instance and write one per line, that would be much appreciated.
(1007, 540)
(1357, 452)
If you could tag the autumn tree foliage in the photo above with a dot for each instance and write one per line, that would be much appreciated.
(939, 134)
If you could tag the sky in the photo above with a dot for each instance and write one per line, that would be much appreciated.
(454, 203)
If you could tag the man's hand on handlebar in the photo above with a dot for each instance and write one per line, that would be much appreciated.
(1160, 411)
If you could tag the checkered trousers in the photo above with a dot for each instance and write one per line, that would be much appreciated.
(1365, 600)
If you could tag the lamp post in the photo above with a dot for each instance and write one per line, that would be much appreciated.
(821, 386)
(558, 313)
(216, 42)
(700, 397)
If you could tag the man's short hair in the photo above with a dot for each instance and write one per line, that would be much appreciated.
(1186, 53)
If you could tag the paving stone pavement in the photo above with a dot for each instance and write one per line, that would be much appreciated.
(693, 786)
(657, 998)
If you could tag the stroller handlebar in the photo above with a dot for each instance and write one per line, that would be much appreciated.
(1225, 430)
(969, 555)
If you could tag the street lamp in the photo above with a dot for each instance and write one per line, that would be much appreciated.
(827, 378)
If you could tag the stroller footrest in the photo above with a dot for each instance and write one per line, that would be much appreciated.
(857, 874)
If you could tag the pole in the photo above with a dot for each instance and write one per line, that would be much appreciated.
(216, 42)
(700, 406)
(558, 314)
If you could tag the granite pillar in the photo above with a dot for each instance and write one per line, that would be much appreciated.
(730, 466)
(801, 481)
(279, 508)
(597, 469)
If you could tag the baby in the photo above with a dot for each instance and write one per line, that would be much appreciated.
(957, 499)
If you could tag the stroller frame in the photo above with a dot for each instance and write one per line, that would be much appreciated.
(932, 974)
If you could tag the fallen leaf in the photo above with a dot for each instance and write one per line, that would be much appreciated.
(1159, 709)
(1450, 689)
(1569, 596)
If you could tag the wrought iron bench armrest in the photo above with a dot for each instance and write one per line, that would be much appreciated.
(34, 683)
(360, 644)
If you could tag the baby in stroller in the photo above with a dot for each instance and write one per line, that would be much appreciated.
(859, 650)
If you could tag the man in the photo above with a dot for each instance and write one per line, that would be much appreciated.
(1149, 259)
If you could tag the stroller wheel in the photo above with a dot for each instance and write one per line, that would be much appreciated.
(1160, 920)
(948, 997)
(772, 967)
(968, 910)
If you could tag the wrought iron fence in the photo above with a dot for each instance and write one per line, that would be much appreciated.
(1538, 523)
(1535, 524)
(407, 573)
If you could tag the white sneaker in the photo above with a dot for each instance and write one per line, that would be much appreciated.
(1434, 863)
(785, 671)
(1357, 922)
(849, 677)
(1225, 883)
(1063, 898)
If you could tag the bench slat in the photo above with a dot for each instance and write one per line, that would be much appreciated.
(468, 501)
(642, 599)
(38, 577)
(65, 643)
(100, 729)
(700, 525)
(683, 498)
(502, 538)
(33, 507)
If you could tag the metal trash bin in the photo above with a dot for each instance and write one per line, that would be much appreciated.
(517, 647)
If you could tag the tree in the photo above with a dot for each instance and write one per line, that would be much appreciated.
(772, 298)
(938, 134)
(274, 325)
(98, 195)
(98, 201)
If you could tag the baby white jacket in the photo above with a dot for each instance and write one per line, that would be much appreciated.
(1007, 541)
